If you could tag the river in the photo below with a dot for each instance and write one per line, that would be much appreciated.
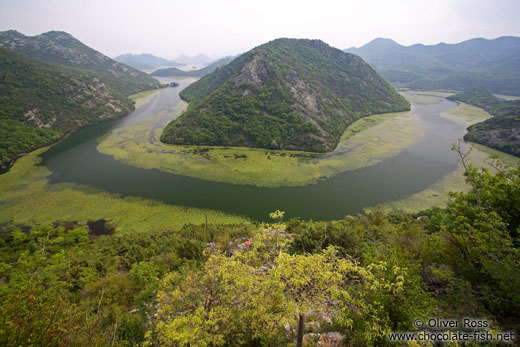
(77, 160)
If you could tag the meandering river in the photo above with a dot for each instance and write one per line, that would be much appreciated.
(77, 160)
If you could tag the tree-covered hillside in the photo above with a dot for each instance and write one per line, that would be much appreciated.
(58, 47)
(501, 131)
(39, 102)
(346, 282)
(492, 64)
(286, 94)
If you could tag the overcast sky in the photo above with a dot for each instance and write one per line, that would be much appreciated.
(168, 28)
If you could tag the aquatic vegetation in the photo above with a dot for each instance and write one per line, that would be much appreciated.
(26, 197)
(465, 114)
(142, 98)
(436, 195)
(366, 142)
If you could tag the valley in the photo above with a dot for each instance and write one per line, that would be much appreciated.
(217, 183)
(122, 163)
(137, 142)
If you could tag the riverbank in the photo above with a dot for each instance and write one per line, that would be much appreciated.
(437, 194)
(142, 98)
(366, 142)
(139, 99)
(27, 197)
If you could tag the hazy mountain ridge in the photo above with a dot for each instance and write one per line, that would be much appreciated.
(144, 61)
(199, 59)
(39, 102)
(288, 93)
(492, 64)
(173, 71)
(58, 47)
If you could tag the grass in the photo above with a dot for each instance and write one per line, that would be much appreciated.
(507, 97)
(466, 115)
(437, 194)
(26, 197)
(365, 143)
(440, 94)
(142, 98)
(421, 98)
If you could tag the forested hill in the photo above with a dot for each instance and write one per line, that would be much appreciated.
(502, 131)
(286, 94)
(173, 71)
(60, 48)
(39, 102)
(492, 64)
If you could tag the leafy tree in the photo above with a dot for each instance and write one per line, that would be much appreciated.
(232, 301)
(480, 236)
(226, 302)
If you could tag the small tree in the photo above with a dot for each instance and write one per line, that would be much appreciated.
(240, 300)
(277, 215)
(227, 302)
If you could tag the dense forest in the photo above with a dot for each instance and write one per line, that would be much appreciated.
(351, 281)
(52, 84)
(492, 64)
(501, 131)
(286, 94)
(40, 102)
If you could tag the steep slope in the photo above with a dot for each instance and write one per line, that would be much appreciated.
(173, 71)
(39, 102)
(288, 93)
(60, 48)
(493, 64)
(502, 131)
(144, 61)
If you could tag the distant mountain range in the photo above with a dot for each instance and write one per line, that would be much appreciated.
(492, 64)
(285, 94)
(147, 61)
(173, 71)
(199, 59)
(52, 84)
